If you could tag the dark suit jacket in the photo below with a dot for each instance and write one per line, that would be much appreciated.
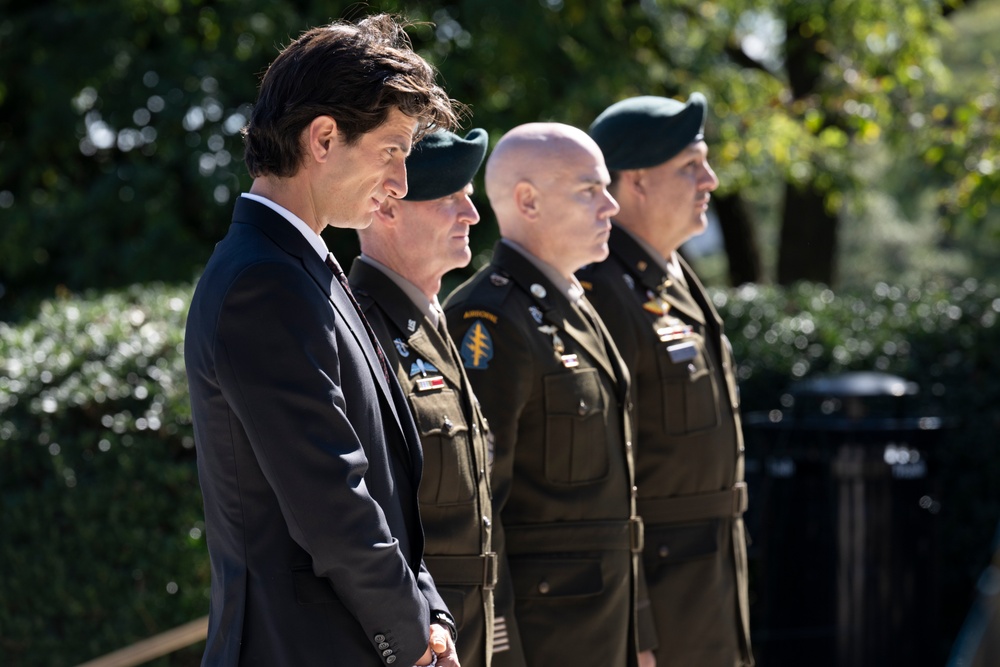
(308, 460)
(455, 501)
(689, 453)
(556, 397)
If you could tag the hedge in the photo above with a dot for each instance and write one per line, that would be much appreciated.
(103, 542)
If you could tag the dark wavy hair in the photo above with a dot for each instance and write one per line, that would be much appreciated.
(355, 73)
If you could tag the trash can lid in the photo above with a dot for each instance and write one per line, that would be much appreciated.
(855, 383)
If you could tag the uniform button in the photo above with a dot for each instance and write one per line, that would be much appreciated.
(475, 429)
(691, 368)
(544, 588)
(391, 659)
(447, 426)
(583, 407)
(486, 521)
(628, 444)
(379, 638)
(383, 646)
(387, 652)
(664, 551)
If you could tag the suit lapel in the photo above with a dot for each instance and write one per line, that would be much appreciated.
(285, 236)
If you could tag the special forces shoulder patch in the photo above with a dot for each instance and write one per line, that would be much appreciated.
(477, 347)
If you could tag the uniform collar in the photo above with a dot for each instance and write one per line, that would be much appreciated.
(571, 289)
(431, 309)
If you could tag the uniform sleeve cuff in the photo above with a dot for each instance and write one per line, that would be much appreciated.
(445, 619)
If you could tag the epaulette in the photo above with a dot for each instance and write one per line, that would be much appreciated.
(482, 296)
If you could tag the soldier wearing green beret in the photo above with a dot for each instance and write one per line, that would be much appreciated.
(556, 393)
(689, 444)
(410, 245)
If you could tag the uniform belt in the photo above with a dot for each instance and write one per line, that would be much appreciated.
(730, 503)
(464, 570)
(565, 536)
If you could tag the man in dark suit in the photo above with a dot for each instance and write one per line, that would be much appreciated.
(689, 445)
(307, 455)
(556, 393)
(411, 244)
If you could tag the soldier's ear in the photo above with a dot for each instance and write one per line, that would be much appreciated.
(526, 199)
(633, 182)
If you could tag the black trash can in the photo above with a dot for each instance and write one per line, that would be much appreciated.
(842, 518)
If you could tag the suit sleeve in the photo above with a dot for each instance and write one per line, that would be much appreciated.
(284, 364)
(503, 384)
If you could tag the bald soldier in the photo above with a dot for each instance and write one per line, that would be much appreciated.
(689, 455)
(556, 394)
(411, 243)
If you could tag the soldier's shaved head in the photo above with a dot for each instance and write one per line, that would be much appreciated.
(539, 177)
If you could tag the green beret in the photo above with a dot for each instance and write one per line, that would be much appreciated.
(442, 163)
(645, 131)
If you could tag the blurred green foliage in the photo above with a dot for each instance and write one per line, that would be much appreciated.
(119, 121)
(103, 540)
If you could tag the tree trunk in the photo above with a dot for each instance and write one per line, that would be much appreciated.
(739, 235)
(808, 242)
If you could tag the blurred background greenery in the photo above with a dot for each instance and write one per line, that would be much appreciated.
(857, 146)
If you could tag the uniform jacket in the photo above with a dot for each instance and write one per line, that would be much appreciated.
(455, 498)
(556, 397)
(308, 461)
(689, 452)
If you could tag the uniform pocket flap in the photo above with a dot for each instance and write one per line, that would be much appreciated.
(683, 542)
(575, 393)
(540, 578)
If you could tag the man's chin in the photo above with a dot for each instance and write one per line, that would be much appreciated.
(364, 222)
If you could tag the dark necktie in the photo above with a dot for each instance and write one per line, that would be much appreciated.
(342, 279)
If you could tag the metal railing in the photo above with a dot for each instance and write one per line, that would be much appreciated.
(154, 647)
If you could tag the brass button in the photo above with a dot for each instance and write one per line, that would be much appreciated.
(544, 587)
(583, 407)
(447, 426)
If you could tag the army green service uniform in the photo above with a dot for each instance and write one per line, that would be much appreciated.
(689, 453)
(454, 494)
(556, 394)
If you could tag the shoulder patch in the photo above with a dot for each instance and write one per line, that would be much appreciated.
(477, 347)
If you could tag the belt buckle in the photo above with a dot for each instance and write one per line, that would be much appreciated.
(741, 499)
(636, 534)
(490, 574)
